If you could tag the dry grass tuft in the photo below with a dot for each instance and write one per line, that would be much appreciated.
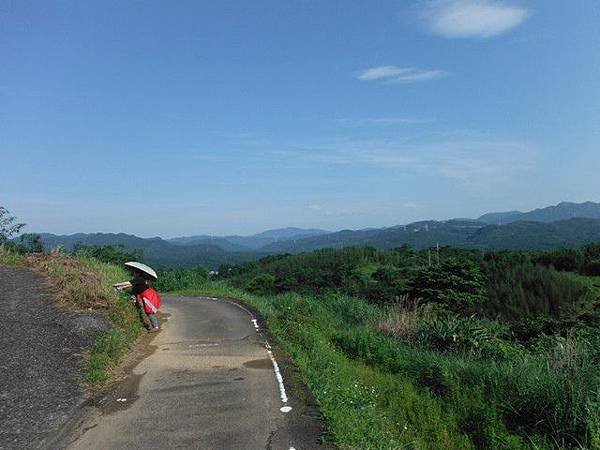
(75, 281)
(401, 320)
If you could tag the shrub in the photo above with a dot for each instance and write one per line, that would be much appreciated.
(401, 320)
(524, 289)
(112, 254)
(262, 284)
(170, 280)
(457, 284)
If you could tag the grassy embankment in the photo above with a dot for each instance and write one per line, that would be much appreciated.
(400, 377)
(85, 283)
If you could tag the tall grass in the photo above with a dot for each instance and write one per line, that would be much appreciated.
(377, 392)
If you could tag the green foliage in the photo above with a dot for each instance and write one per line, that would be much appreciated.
(8, 225)
(110, 346)
(457, 284)
(180, 279)
(563, 259)
(517, 287)
(112, 254)
(449, 348)
(30, 243)
(24, 244)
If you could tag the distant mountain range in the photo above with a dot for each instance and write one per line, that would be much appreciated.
(562, 211)
(566, 224)
(253, 242)
(157, 251)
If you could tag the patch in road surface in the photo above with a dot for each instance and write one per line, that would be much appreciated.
(188, 397)
(259, 364)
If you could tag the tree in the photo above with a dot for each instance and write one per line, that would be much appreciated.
(113, 254)
(8, 225)
(30, 243)
(457, 284)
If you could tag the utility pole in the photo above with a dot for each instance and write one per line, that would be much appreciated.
(437, 248)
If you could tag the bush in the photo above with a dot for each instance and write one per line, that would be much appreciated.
(456, 284)
(263, 284)
(171, 280)
(564, 259)
(517, 289)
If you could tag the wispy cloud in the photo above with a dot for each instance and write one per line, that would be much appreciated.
(400, 74)
(365, 121)
(472, 18)
(470, 160)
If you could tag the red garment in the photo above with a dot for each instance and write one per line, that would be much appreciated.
(150, 299)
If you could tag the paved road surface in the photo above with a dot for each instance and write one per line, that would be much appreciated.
(42, 359)
(209, 385)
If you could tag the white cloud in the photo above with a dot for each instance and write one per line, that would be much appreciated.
(400, 74)
(472, 18)
(420, 75)
(382, 121)
(470, 160)
(377, 73)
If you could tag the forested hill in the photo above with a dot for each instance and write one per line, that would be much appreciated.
(252, 242)
(156, 251)
(538, 229)
(470, 234)
(562, 211)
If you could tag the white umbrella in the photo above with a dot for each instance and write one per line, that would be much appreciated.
(143, 268)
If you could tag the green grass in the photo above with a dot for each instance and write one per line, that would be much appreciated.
(364, 407)
(11, 259)
(377, 393)
(109, 347)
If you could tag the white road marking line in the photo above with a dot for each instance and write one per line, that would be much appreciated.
(203, 345)
(278, 376)
(284, 398)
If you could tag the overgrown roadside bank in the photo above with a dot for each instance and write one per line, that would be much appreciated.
(378, 393)
(63, 326)
(83, 283)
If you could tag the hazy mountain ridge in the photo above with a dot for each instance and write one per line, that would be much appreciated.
(562, 211)
(212, 251)
(252, 242)
(157, 251)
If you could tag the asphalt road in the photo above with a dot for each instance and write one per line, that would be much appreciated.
(209, 384)
(42, 359)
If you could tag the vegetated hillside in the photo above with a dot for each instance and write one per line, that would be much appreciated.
(419, 235)
(562, 211)
(253, 242)
(156, 251)
(461, 233)
(537, 235)
(222, 242)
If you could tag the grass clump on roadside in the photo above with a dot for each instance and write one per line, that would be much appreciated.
(10, 258)
(86, 283)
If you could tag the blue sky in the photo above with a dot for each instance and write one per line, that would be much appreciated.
(174, 118)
